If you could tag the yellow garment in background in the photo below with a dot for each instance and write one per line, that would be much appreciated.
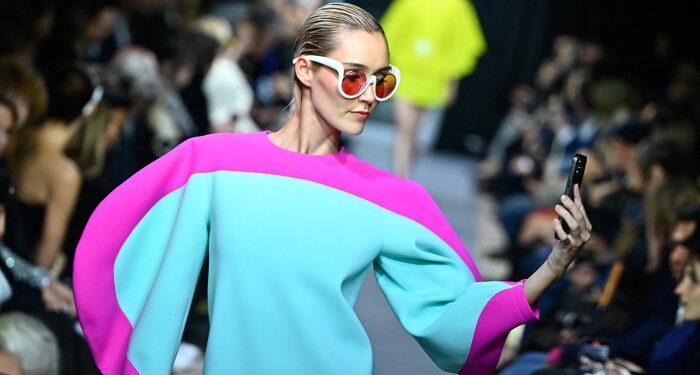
(432, 43)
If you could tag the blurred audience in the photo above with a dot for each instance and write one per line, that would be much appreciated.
(641, 186)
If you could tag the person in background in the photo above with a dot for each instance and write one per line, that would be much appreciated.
(683, 233)
(159, 119)
(229, 96)
(56, 295)
(678, 352)
(47, 184)
(667, 167)
(435, 47)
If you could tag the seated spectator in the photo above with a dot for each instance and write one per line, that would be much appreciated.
(679, 351)
(685, 226)
(47, 184)
(13, 269)
(229, 95)
(667, 166)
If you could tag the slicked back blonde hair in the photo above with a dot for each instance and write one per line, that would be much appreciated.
(318, 35)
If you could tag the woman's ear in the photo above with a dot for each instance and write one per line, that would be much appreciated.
(304, 71)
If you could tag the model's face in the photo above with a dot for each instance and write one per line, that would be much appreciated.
(357, 50)
(689, 291)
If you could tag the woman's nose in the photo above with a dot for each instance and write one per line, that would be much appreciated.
(369, 95)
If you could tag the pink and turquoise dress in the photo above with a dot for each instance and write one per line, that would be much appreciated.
(290, 239)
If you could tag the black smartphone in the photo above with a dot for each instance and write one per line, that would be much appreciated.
(578, 166)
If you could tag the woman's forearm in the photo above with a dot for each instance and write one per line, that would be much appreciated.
(540, 280)
(46, 255)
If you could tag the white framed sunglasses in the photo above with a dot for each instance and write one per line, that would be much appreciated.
(352, 83)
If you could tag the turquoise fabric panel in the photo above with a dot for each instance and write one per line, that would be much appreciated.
(287, 260)
(286, 267)
(156, 272)
(431, 290)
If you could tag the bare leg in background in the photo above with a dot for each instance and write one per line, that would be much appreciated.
(408, 118)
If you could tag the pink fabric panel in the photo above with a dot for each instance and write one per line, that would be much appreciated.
(404, 197)
(489, 338)
(106, 327)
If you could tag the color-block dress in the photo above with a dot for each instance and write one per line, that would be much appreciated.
(290, 239)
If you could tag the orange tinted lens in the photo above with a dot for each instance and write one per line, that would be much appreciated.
(385, 86)
(353, 82)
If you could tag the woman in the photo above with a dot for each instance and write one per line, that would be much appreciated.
(46, 187)
(47, 181)
(440, 47)
(56, 295)
(679, 350)
(291, 223)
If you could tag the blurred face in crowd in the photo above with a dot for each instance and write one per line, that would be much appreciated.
(565, 50)
(357, 50)
(689, 291)
(583, 276)
(680, 252)
(624, 154)
(555, 115)
(101, 26)
(6, 122)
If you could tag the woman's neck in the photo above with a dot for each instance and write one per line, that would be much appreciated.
(54, 135)
(305, 133)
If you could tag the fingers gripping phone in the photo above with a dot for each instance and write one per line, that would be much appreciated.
(578, 166)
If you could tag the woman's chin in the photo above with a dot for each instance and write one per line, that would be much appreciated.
(355, 128)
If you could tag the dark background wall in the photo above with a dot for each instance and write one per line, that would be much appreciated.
(519, 34)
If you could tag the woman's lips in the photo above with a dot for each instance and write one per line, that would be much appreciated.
(362, 115)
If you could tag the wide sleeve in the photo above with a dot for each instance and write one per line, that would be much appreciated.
(435, 290)
(137, 264)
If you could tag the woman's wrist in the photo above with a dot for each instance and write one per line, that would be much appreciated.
(556, 265)
(540, 280)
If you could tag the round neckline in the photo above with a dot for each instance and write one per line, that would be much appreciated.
(266, 135)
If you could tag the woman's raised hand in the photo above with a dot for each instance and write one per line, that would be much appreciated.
(569, 244)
